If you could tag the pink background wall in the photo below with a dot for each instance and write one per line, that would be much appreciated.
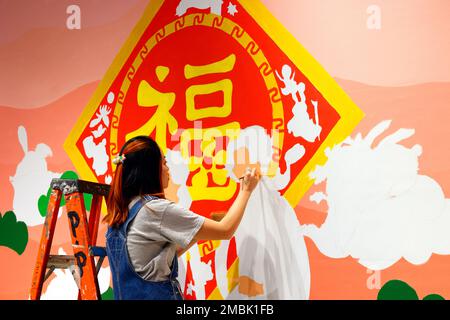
(400, 72)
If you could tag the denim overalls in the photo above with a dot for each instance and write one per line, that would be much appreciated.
(127, 284)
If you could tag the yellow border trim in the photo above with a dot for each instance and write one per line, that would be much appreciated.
(349, 112)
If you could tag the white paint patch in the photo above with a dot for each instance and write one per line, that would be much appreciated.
(110, 97)
(108, 179)
(258, 144)
(214, 5)
(201, 272)
(97, 152)
(101, 116)
(231, 9)
(31, 180)
(179, 173)
(294, 154)
(270, 247)
(300, 125)
(318, 197)
(220, 258)
(182, 271)
(97, 133)
(380, 208)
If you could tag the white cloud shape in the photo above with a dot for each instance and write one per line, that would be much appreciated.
(380, 208)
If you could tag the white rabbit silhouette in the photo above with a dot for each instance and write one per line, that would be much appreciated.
(31, 180)
(380, 208)
(98, 153)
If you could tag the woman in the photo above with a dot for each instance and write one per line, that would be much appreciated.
(146, 232)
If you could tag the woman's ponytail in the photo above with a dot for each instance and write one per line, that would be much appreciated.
(117, 209)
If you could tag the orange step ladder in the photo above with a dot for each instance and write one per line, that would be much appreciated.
(83, 233)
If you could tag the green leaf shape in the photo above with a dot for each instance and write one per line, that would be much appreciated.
(108, 294)
(434, 296)
(44, 199)
(397, 290)
(13, 233)
(43, 204)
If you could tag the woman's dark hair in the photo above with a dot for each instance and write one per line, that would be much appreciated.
(139, 173)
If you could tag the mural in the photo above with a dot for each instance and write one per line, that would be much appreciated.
(13, 233)
(356, 180)
(402, 215)
(201, 108)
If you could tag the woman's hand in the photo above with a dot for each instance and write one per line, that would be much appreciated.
(250, 180)
(225, 228)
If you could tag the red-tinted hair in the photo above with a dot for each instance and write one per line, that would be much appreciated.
(139, 174)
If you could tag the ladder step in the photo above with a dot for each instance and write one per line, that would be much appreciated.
(60, 261)
(64, 261)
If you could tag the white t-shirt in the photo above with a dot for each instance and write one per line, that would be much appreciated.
(154, 234)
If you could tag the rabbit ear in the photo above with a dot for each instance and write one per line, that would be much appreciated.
(23, 139)
(397, 136)
(376, 131)
(43, 150)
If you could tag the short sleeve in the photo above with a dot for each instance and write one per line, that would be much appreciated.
(180, 225)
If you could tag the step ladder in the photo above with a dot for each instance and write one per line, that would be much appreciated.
(83, 232)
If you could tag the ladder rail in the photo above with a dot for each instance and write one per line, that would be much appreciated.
(45, 244)
(81, 241)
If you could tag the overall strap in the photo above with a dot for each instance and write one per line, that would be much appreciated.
(135, 209)
(132, 214)
(174, 271)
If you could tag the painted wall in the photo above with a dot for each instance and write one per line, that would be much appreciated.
(390, 58)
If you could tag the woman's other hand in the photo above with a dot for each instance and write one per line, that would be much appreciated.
(250, 179)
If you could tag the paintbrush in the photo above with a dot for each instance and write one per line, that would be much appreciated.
(261, 175)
